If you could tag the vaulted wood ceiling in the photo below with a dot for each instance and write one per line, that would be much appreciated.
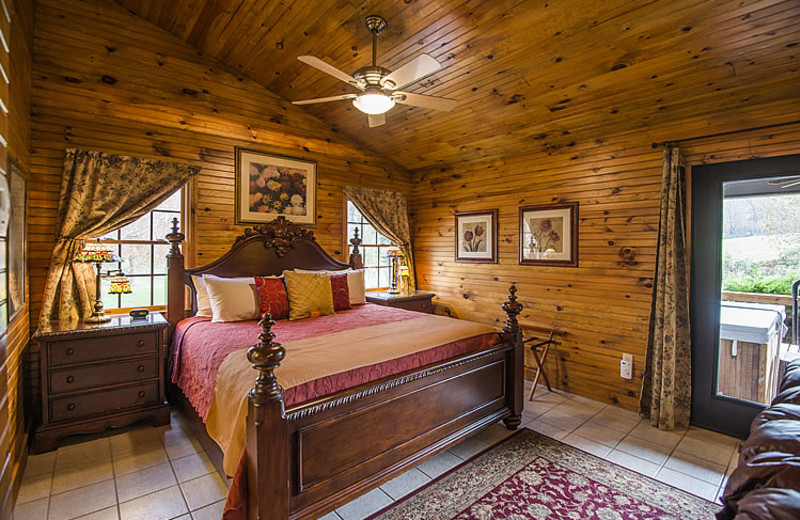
(527, 74)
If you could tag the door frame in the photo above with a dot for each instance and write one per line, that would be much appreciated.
(711, 411)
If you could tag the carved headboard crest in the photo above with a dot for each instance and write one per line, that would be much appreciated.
(278, 234)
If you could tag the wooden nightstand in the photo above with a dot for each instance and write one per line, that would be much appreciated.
(419, 301)
(99, 376)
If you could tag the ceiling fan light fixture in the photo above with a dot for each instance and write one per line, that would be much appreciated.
(373, 103)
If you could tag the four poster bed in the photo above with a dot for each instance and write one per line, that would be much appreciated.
(306, 458)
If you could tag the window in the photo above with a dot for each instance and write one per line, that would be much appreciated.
(143, 249)
(378, 270)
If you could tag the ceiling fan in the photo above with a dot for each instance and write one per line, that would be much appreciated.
(380, 87)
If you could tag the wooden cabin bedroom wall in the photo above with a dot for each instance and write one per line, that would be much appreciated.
(12, 434)
(107, 80)
(603, 304)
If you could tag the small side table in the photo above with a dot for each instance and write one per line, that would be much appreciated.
(419, 301)
(99, 376)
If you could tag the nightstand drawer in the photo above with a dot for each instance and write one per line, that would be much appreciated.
(418, 305)
(84, 377)
(101, 347)
(66, 408)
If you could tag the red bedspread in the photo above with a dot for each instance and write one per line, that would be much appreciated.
(199, 347)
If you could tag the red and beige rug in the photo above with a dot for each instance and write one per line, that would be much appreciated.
(529, 476)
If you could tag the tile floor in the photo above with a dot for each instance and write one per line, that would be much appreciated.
(146, 473)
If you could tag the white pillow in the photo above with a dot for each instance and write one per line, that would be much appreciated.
(231, 299)
(203, 305)
(355, 283)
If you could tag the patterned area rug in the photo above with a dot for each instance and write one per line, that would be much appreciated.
(529, 476)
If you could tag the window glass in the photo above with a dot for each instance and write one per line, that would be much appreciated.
(373, 249)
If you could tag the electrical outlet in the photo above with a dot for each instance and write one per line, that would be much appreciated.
(626, 366)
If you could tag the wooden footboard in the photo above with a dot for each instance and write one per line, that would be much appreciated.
(308, 460)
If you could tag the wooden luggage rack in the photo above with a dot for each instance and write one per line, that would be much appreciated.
(541, 343)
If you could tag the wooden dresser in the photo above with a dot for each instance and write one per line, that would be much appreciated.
(99, 376)
(419, 301)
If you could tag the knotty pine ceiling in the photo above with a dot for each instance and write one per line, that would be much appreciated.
(527, 74)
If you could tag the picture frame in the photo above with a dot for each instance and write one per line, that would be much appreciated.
(17, 249)
(476, 236)
(548, 234)
(270, 185)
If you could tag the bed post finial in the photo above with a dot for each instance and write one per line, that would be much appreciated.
(355, 256)
(176, 305)
(512, 333)
(512, 308)
(265, 357)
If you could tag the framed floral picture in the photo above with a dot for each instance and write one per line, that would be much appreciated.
(476, 236)
(270, 185)
(548, 235)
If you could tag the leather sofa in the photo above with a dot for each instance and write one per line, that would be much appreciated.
(766, 482)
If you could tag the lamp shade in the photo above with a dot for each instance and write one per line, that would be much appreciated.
(393, 252)
(373, 103)
(120, 285)
(97, 253)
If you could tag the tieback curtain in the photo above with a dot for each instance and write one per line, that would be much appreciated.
(387, 211)
(666, 386)
(100, 192)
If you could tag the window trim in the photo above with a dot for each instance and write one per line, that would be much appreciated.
(181, 212)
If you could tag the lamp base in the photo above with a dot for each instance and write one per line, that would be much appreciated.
(97, 318)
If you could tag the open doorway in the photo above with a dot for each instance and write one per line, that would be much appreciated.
(745, 260)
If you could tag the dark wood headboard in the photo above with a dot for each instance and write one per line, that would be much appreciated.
(267, 249)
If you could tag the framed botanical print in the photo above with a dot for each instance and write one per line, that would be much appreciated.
(270, 185)
(548, 235)
(476, 236)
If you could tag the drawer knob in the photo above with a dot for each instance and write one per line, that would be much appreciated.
(140, 343)
(70, 351)
(140, 368)
(70, 379)
(141, 393)
(71, 407)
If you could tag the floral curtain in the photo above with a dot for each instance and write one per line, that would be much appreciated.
(666, 387)
(387, 211)
(100, 192)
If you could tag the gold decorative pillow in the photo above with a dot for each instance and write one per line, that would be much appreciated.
(308, 293)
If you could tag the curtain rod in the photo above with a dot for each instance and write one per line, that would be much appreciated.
(663, 143)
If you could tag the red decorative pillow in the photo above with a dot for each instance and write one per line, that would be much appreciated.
(341, 292)
(272, 297)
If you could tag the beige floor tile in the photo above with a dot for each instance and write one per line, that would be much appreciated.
(493, 434)
(407, 482)
(172, 432)
(139, 483)
(439, 464)
(112, 513)
(78, 476)
(36, 510)
(211, 512)
(42, 463)
(631, 462)
(193, 466)
(717, 453)
(583, 403)
(93, 452)
(34, 487)
(135, 441)
(600, 434)
(468, 448)
(548, 430)
(561, 418)
(82, 501)
(692, 485)
(616, 419)
(364, 505)
(711, 437)
(535, 409)
(137, 461)
(589, 446)
(543, 395)
(204, 490)
(670, 439)
(649, 451)
(161, 505)
(183, 447)
(702, 469)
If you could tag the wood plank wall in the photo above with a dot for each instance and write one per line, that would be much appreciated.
(129, 87)
(603, 304)
(12, 428)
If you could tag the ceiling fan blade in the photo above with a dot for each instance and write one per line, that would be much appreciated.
(419, 100)
(327, 68)
(415, 69)
(376, 120)
(323, 99)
